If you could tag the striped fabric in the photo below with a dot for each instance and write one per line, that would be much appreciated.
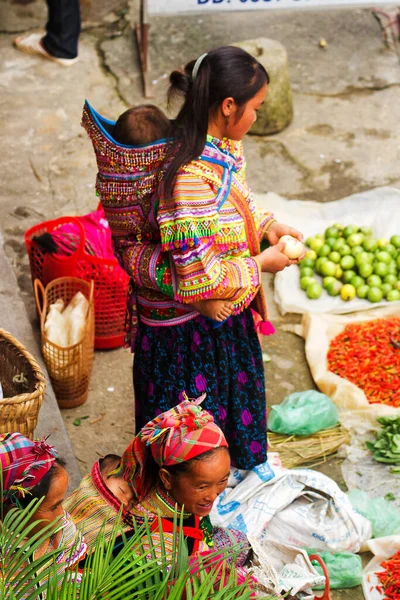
(204, 231)
(24, 463)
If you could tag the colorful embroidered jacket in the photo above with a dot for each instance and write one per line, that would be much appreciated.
(212, 228)
(218, 265)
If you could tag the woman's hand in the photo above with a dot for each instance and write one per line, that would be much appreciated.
(277, 230)
(273, 259)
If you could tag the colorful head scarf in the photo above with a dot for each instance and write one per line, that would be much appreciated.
(175, 436)
(24, 463)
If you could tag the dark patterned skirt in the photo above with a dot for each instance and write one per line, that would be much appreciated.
(196, 357)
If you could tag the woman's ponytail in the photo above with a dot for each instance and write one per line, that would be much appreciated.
(222, 73)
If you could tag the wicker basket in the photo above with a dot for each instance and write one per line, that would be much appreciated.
(23, 383)
(69, 368)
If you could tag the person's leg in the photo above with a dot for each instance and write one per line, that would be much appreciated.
(63, 28)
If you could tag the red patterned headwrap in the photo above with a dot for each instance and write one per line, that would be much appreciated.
(175, 436)
(24, 463)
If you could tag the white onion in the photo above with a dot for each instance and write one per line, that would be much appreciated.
(293, 247)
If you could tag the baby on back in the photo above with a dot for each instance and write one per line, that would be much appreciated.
(143, 125)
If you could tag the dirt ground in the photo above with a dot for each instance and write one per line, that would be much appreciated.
(343, 139)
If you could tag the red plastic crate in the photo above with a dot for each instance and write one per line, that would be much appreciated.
(110, 280)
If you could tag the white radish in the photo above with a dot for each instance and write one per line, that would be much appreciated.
(293, 247)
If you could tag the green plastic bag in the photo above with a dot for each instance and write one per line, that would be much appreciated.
(344, 568)
(384, 517)
(303, 413)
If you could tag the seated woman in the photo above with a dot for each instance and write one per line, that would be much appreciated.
(31, 469)
(179, 459)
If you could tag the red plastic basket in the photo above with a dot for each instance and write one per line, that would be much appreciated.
(110, 280)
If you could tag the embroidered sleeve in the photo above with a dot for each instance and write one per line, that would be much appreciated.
(146, 263)
(189, 226)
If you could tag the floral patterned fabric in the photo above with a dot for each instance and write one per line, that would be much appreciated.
(195, 357)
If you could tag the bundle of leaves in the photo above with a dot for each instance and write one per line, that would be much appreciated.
(386, 447)
(136, 572)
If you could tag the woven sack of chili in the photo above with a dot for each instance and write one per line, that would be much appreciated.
(355, 384)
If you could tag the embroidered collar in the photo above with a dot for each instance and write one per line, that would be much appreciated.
(168, 502)
(221, 150)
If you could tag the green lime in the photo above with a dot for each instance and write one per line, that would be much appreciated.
(319, 262)
(349, 230)
(332, 232)
(390, 278)
(320, 236)
(392, 268)
(357, 281)
(357, 250)
(348, 276)
(306, 262)
(306, 272)
(369, 244)
(328, 268)
(306, 281)
(362, 291)
(355, 239)
(390, 249)
(314, 291)
(334, 256)
(374, 294)
(338, 244)
(347, 262)
(398, 261)
(383, 256)
(334, 287)
(308, 241)
(381, 269)
(365, 270)
(324, 250)
(348, 292)
(311, 254)
(395, 241)
(393, 295)
(327, 280)
(339, 272)
(374, 281)
(330, 241)
(397, 285)
(316, 244)
(386, 288)
(344, 250)
(382, 242)
(364, 257)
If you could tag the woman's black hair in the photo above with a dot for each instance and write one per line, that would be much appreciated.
(42, 488)
(152, 469)
(224, 72)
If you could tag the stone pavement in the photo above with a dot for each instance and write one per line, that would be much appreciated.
(343, 139)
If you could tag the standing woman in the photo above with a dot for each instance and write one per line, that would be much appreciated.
(212, 230)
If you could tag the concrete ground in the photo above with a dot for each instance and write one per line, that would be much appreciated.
(343, 139)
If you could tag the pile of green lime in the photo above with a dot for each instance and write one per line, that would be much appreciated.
(351, 262)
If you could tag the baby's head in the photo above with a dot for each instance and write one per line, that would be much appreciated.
(141, 125)
(117, 485)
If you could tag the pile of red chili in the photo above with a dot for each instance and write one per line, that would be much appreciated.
(390, 577)
(368, 355)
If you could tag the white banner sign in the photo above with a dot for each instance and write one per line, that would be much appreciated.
(164, 7)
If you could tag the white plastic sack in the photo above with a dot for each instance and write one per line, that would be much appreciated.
(284, 567)
(318, 331)
(378, 208)
(299, 507)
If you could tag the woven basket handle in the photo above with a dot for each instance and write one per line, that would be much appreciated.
(327, 592)
(39, 297)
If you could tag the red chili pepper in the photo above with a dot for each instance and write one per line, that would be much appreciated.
(390, 578)
(365, 355)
